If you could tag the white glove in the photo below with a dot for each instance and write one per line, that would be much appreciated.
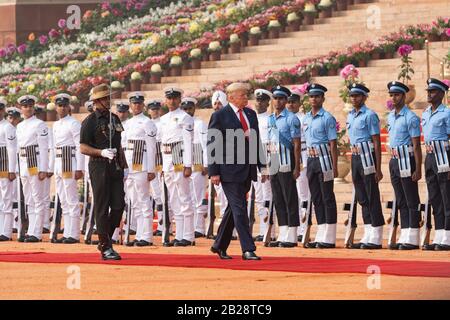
(125, 173)
(108, 153)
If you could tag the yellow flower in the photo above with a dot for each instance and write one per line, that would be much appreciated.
(56, 80)
(94, 54)
(156, 38)
(48, 77)
(86, 71)
(135, 50)
(148, 35)
(31, 88)
(72, 62)
(55, 69)
(183, 20)
(230, 11)
(194, 27)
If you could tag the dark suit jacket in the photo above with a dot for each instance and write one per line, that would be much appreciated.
(222, 120)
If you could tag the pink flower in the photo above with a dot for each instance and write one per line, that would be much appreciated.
(10, 49)
(108, 59)
(53, 33)
(338, 126)
(106, 6)
(304, 88)
(447, 82)
(2, 53)
(447, 32)
(390, 105)
(404, 50)
(62, 23)
(43, 40)
(349, 71)
(116, 12)
(22, 48)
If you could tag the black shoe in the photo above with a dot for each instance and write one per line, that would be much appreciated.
(184, 243)
(132, 232)
(394, 246)
(233, 238)
(198, 235)
(429, 247)
(311, 245)
(93, 242)
(142, 243)
(4, 238)
(110, 254)
(22, 239)
(324, 245)
(61, 240)
(300, 238)
(287, 245)
(221, 253)
(274, 244)
(131, 243)
(115, 241)
(442, 247)
(371, 246)
(14, 230)
(171, 243)
(407, 246)
(45, 230)
(71, 240)
(250, 255)
(356, 246)
(157, 233)
(259, 238)
(32, 239)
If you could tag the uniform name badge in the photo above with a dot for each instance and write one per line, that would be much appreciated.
(365, 152)
(3, 162)
(440, 149)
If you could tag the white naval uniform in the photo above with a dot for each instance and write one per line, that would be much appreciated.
(140, 138)
(66, 139)
(48, 181)
(302, 180)
(33, 133)
(199, 181)
(8, 163)
(263, 191)
(177, 127)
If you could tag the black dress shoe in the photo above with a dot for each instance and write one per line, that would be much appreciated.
(287, 245)
(132, 232)
(324, 245)
(394, 246)
(131, 243)
(143, 243)
(184, 243)
(32, 239)
(311, 245)
(71, 240)
(45, 230)
(407, 246)
(22, 239)
(371, 246)
(157, 233)
(274, 244)
(171, 243)
(4, 238)
(355, 246)
(442, 247)
(259, 238)
(300, 238)
(233, 238)
(221, 253)
(110, 254)
(250, 255)
(198, 235)
(429, 247)
(61, 240)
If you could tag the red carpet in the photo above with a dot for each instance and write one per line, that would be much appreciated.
(286, 264)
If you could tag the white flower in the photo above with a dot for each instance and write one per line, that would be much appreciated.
(234, 38)
(292, 17)
(136, 76)
(274, 24)
(195, 53)
(116, 85)
(51, 106)
(214, 46)
(255, 30)
(156, 68)
(176, 61)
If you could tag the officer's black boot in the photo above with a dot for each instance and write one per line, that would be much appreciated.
(105, 247)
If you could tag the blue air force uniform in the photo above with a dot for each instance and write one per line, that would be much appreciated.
(283, 130)
(361, 126)
(320, 129)
(436, 131)
(402, 127)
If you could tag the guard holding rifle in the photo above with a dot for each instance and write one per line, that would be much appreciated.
(100, 139)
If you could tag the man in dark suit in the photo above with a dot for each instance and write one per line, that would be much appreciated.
(234, 152)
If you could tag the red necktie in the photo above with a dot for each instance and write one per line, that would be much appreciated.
(243, 122)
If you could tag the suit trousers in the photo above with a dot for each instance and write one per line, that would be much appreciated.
(235, 215)
(285, 198)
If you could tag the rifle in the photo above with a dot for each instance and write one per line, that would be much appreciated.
(90, 225)
(350, 223)
(86, 204)
(166, 217)
(211, 210)
(56, 219)
(268, 234)
(128, 222)
(251, 208)
(307, 218)
(425, 224)
(393, 222)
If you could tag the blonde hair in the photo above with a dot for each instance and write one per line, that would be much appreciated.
(237, 86)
